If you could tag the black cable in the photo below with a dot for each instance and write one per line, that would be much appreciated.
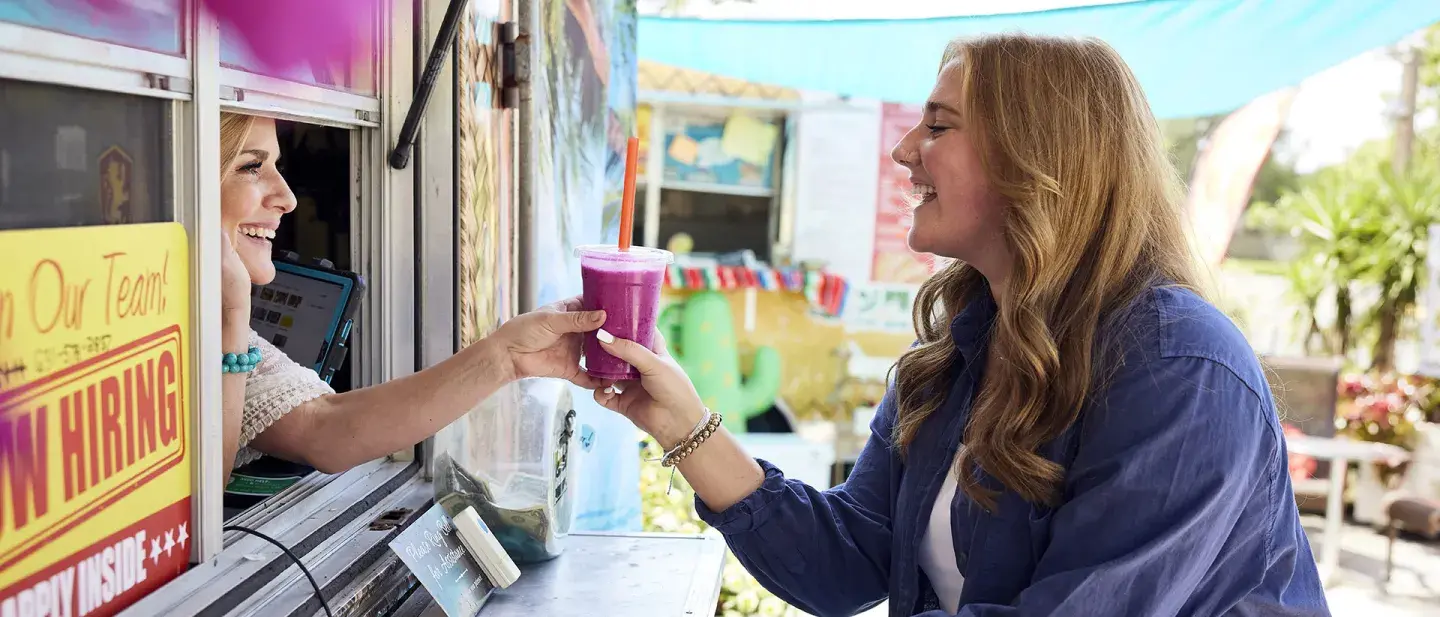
(318, 594)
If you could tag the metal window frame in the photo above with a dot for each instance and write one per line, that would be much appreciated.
(436, 210)
(383, 212)
(382, 207)
(253, 93)
(199, 162)
(37, 55)
(268, 96)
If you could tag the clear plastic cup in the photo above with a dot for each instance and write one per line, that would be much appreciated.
(626, 285)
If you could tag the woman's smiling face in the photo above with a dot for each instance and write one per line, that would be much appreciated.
(253, 197)
(958, 213)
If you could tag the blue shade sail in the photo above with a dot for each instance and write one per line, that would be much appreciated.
(1193, 57)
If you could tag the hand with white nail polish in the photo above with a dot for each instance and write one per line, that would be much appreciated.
(663, 402)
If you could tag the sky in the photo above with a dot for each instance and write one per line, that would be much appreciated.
(1338, 110)
(1333, 113)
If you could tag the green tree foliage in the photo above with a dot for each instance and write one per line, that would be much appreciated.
(1360, 224)
(1363, 225)
(1429, 50)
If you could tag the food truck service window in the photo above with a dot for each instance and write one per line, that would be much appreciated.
(96, 405)
(342, 302)
(110, 406)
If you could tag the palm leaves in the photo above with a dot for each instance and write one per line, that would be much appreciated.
(1410, 203)
(1329, 216)
(1362, 227)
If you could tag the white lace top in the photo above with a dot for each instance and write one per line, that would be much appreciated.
(274, 388)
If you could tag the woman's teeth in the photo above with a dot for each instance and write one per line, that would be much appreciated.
(922, 192)
(258, 232)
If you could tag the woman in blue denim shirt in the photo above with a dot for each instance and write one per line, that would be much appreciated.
(1076, 431)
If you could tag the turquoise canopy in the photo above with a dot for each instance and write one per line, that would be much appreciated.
(1194, 57)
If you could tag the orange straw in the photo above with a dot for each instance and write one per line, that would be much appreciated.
(627, 204)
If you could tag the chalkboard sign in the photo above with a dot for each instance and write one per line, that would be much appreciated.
(431, 548)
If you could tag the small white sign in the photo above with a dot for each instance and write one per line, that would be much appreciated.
(884, 307)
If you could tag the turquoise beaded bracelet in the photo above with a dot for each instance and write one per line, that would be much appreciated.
(241, 362)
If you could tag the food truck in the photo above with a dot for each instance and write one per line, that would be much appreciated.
(409, 240)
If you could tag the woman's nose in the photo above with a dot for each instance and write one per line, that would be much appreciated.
(281, 197)
(904, 152)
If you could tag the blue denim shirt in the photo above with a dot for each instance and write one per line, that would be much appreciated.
(1176, 498)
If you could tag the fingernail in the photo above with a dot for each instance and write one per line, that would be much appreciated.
(605, 337)
(616, 389)
(609, 389)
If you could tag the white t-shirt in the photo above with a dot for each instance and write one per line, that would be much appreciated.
(937, 548)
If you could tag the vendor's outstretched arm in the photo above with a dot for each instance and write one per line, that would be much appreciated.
(336, 432)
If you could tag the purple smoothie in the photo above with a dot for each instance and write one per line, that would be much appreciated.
(626, 285)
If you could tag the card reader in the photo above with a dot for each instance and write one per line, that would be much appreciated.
(308, 311)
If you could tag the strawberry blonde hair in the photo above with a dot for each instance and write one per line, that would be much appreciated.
(1093, 218)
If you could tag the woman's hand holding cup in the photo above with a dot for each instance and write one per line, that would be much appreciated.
(663, 402)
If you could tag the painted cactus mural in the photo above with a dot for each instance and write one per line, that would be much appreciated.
(701, 334)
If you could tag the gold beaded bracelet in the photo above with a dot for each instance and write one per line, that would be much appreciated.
(703, 432)
(694, 431)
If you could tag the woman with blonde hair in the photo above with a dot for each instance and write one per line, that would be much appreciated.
(1076, 431)
(277, 407)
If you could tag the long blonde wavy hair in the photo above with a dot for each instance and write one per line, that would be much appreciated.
(234, 130)
(1093, 218)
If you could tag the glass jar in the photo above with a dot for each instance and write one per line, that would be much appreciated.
(510, 458)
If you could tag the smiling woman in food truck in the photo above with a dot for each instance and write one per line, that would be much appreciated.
(277, 407)
(1076, 432)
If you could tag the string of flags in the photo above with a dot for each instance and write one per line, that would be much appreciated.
(826, 292)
